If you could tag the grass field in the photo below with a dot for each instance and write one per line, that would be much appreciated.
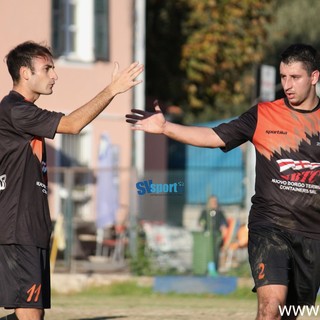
(129, 300)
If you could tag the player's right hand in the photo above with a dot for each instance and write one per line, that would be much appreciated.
(151, 122)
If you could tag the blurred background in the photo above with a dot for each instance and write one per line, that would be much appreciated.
(122, 200)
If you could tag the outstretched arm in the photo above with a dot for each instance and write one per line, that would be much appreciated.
(121, 82)
(155, 122)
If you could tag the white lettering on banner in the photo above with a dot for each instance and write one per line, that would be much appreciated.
(296, 186)
(299, 310)
(43, 186)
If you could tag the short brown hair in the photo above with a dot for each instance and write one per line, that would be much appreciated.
(22, 56)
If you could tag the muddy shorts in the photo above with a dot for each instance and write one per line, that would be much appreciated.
(280, 257)
(24, 277)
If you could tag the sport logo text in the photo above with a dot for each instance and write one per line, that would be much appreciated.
(147, 186)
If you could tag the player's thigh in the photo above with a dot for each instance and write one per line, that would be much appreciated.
(272, 294)
(29, 314)
(270, 299)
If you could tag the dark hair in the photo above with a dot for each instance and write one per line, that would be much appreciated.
(302, 53)
(22, 56)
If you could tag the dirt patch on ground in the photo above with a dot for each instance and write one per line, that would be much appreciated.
(153, 308)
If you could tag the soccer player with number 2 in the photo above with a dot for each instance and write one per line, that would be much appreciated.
(284, 220)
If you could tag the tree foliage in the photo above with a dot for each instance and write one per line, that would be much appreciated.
(224, 40)
(200, 53)
(295, 21)
(164, 40)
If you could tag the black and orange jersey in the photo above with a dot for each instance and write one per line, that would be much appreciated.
(287, 144)
(24, 214)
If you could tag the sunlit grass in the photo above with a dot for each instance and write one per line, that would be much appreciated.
(132, 288)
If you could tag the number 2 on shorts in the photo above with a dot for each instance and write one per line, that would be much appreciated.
(261, 271)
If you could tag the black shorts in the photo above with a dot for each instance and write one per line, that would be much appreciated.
(24, 277)
(280, 257)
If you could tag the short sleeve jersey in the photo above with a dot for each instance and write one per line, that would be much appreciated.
(24, 214)
(287, 144)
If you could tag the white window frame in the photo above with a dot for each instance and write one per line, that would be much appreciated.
(83, 29)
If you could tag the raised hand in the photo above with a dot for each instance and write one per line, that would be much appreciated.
(151, 122)
(126, 79)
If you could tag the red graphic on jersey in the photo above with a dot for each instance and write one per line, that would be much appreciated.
(286, 164)
(300, 166)
(303, 177)
(281, 129)
(37, 147)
